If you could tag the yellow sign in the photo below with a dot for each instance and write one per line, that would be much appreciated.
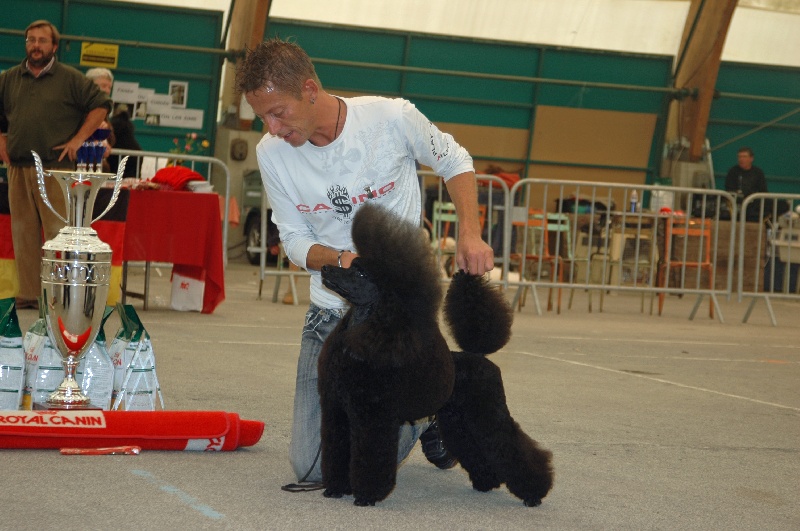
(98, 54)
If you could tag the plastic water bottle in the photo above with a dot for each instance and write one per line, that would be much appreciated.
(634, 201)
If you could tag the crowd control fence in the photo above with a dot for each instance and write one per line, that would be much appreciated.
(146, 164)
(770, 237)
(656, 241)
(603, 237)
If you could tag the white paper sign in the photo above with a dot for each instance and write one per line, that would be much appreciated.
(125, 92)
(159, 104)
(188, 118)
(144, 94)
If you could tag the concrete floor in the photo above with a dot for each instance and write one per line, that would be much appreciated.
(654, 422)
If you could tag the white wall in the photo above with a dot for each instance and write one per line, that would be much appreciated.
(641, 26)
(758, 34)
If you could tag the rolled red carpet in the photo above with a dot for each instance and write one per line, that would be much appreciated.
(210, 431)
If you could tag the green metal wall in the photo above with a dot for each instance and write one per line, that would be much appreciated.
(151, 68)
(483, 101)
(512, 102)
(776, 147)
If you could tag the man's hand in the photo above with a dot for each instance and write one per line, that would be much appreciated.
(474, 255)
(70, 149)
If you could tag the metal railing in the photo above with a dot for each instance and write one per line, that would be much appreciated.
(135, 157)
(279, 272)
(772, 228)
(596, 236)
(493, 198)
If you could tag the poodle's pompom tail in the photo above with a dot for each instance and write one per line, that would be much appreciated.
(477, 313)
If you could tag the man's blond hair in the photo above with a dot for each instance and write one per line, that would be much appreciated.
(275, 65)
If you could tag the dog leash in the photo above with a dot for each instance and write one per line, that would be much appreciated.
(303, 485)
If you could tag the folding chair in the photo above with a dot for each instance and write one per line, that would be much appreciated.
(535, 248)
(680, 258)
(444, 214)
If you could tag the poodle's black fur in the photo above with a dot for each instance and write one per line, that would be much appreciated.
(475, 423)
(387, 363)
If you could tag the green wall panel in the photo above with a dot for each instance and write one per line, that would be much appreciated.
(776, 147)
(476, 100)
(452, 111)
(151, 68)
(466, 55)
(334, 43)
(618, 69)
(361, 47)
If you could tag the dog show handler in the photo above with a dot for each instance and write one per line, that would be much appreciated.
(325, 156)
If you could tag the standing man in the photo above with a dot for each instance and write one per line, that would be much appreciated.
(52, 109)
(324, 157)
(745, 179)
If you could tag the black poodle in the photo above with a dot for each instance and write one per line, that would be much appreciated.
(475, 423)
(387, 363)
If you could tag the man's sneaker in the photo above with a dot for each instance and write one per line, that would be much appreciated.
(434, 450)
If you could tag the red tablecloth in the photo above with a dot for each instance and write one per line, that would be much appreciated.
(183, 228)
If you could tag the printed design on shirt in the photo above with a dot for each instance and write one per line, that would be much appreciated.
(382, 146)
(340, 199)
(339, 160)
(437, 150)
(341, 203)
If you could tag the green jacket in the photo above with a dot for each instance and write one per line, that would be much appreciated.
(46, 111)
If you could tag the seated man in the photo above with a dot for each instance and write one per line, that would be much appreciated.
(745, 179)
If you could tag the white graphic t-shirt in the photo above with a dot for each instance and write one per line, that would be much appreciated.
(315, 191)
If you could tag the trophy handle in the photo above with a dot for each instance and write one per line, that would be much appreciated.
(40, 173)
(117, 184)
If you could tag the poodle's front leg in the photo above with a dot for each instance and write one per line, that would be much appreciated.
(373, 460)
(335, 450)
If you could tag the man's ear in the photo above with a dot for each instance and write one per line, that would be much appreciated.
(311, 89)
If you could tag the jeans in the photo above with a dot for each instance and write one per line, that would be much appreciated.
(304, 450)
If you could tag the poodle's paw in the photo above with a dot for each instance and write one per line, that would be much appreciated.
(485, 484)
(364, 502)
(331, 492)
(532, 502)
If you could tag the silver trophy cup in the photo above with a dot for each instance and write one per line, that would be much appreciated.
(76, 268)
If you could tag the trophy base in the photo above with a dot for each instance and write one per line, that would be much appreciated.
(41, 406)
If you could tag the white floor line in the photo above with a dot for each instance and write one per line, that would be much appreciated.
(641, 340)
(224, 325)
(659, 380)
(231, 342)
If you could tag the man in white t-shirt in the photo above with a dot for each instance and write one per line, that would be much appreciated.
(323, 158)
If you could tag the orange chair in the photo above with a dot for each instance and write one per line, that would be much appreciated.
(535, 248)
(679, 258)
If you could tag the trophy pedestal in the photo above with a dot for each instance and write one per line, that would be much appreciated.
(43, 406)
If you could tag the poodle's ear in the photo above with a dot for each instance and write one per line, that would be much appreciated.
(478, 314)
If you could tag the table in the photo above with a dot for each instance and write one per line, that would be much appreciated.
(182, 228)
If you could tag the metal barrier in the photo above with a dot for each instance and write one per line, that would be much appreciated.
(279, 272)
(135, 157)
(596, 236)
(491, 209)
(439, 217)
(587, 235)
(772, 232)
